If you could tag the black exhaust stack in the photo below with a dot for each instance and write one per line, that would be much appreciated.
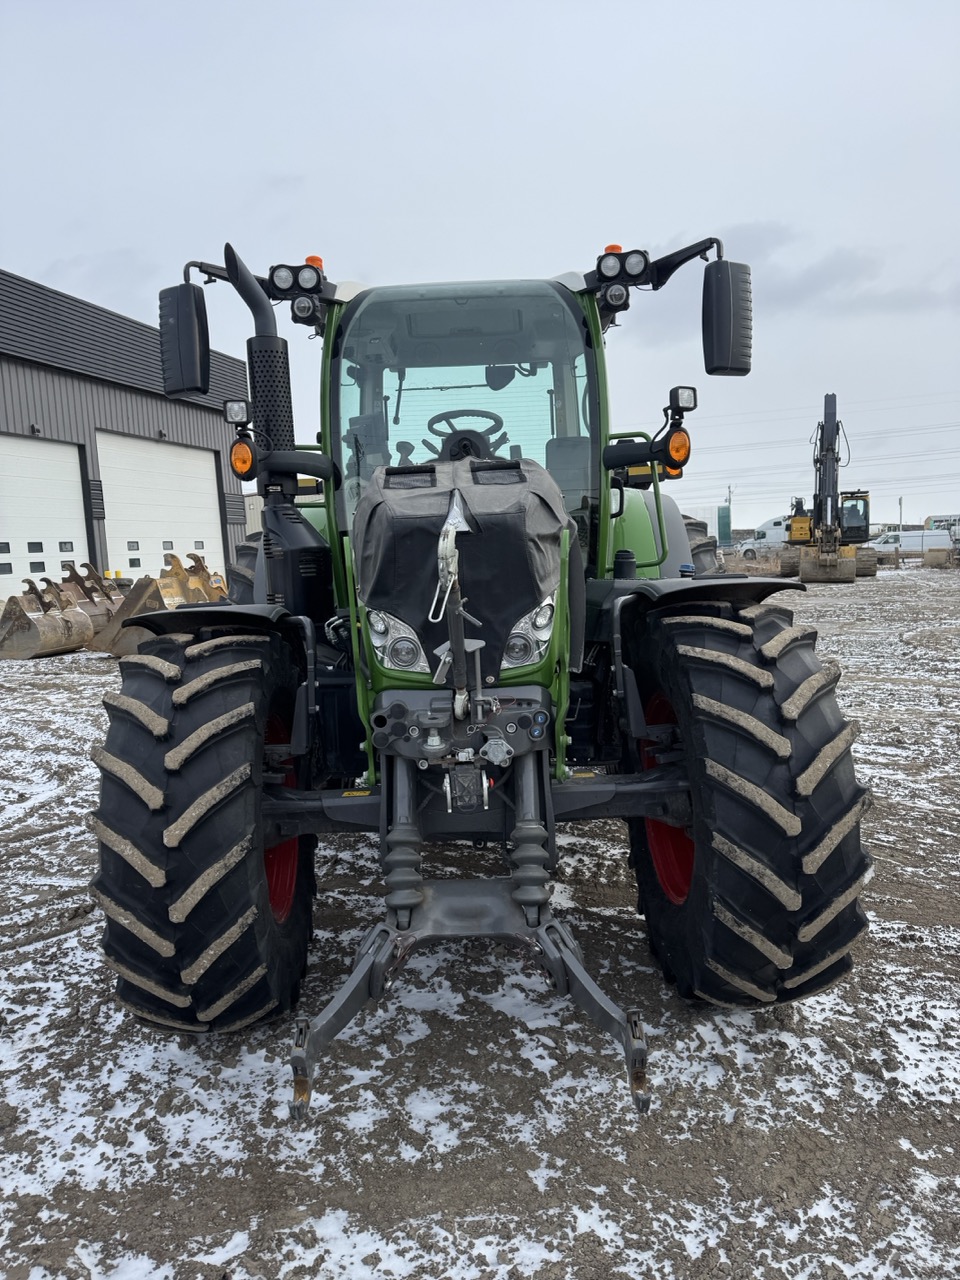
(267, 361)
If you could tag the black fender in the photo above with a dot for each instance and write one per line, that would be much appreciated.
(191, 617)
(615, 602)
(608, 597)
(327, 689)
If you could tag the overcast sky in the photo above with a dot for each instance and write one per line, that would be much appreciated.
(431, 140)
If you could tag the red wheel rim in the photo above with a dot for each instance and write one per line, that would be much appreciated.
(671, 848)
(281, 860)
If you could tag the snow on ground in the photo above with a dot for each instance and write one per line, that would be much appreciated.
(474, 1125)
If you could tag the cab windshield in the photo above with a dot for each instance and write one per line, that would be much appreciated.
(489, 370)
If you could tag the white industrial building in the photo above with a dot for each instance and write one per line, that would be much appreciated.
(96, 464)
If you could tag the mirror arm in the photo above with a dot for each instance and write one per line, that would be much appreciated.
(663, 268)
(208, 269)
(249, 286)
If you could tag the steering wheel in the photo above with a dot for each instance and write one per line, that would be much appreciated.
(459, 443)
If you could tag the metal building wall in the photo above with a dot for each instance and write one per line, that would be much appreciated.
(69, 369)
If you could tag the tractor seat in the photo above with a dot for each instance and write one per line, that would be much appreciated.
(568, 461)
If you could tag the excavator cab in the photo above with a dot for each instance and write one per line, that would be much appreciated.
(854, 517)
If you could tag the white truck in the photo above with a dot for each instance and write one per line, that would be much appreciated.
(767, 539)
(910, 542)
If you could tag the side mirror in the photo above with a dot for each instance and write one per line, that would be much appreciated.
(727, 318)
(184, 340)
(498, 376)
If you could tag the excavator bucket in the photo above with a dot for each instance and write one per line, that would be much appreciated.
(145, 596)
(819, 566)
(76, 593)
(213, 585)
(85, 611)
(195, 585)
(35, 625)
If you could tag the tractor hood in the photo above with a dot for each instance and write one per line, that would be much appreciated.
(509, 551)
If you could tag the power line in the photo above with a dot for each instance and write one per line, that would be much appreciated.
(784, 415)
(755, 445)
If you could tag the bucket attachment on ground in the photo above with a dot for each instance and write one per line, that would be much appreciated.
(36, 624)
(144, 596)
(90, 596)
(196, 585)
(85, 611)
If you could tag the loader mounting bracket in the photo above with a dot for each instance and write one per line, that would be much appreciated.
(465, 909)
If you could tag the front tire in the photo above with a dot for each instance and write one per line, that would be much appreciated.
(206, 927)
(758, 901)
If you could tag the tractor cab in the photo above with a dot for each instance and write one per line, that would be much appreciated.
(494, 371)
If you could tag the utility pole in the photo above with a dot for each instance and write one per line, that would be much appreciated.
(725, 534)
(901, 515)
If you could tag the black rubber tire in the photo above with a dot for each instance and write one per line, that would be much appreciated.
(704, 553)
(749, 554)
(200, 937)
(242, 570)
(769, 908)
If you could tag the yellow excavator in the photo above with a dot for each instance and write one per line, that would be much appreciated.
(825, 544)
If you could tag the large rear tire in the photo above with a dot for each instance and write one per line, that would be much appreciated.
(241, 572)
(206, 928)
(704, 550)
(758, 901)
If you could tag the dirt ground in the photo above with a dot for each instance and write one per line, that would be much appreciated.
(474, 1126)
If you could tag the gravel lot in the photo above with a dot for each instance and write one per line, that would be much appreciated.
(475, 1126)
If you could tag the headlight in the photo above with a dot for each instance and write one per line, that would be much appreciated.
(519, 650)
(282, 278)
(529, 636)
(636, 263)
(396, 645)
(403, 652)
(237, 412)
(683, 399)
(609, 265)
(308, 277)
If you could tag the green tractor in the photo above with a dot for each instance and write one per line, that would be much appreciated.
(484, 626)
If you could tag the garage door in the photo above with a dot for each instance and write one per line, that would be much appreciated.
(158, 497)
(41, 510)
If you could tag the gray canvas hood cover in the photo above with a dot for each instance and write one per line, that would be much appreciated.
(509, 553)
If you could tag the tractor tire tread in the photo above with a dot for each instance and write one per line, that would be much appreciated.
(241, 571)
(773, 907)
(189, 929)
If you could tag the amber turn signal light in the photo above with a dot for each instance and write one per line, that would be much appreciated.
(678, 447)
(243, 459)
